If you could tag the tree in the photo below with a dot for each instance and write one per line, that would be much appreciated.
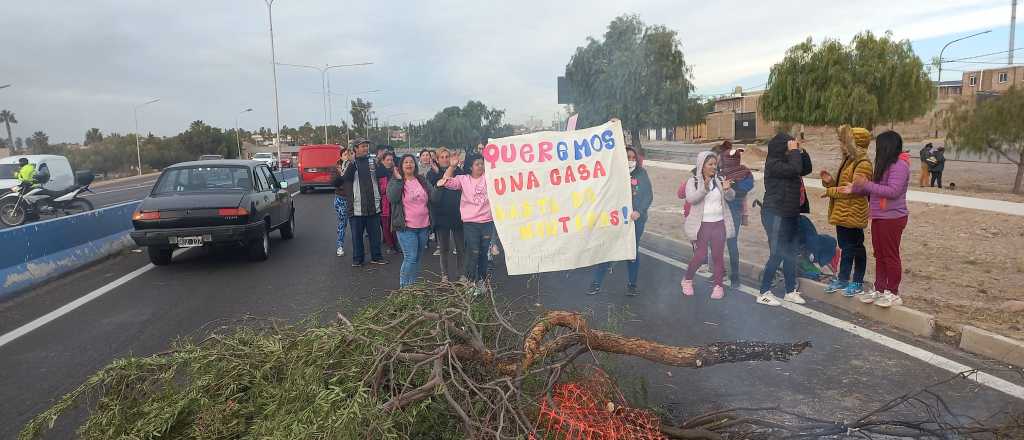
(637, 74)
(361, 115)
(868, 82)
(94, 135)
(464, 127)
(7, 117)
(39, 143)
(994, 126)
(19, 143)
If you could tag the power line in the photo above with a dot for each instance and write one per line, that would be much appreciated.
(980, 56)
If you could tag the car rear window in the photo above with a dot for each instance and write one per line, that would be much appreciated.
(196, 179)
(263, 156)
(320, 156)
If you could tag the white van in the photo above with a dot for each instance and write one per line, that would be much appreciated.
(61, 176)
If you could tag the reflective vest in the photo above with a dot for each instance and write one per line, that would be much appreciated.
(27, 173)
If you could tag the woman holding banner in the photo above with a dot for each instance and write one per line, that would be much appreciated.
(475, 210)
(409, 195)
(643, 196)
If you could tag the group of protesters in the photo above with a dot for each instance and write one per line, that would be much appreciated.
(403, 201)
(861, 193)
(410, 200)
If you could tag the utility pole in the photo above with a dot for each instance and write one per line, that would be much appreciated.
(138, 147)
(238, 136)
(325, 90)
(1013, 27)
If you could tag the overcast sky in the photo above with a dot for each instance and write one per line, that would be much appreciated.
(81, 64)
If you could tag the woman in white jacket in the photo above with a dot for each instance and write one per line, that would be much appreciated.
(710, 221)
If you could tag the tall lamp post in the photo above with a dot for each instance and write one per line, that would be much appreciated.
(325, 86)
(938, 85)
(138, 146)
(273, 67)
(238, 135)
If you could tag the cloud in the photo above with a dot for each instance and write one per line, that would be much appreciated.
(76, 65)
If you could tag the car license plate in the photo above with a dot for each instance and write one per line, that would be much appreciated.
(187, 242)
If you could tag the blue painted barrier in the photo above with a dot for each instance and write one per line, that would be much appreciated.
(37, 252)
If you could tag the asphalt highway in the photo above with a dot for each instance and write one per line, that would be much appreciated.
(841, 377)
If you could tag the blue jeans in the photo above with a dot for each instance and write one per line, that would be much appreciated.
(782, 233)
(632, 266)
(478, 240)
(414, 243)
(341, 207)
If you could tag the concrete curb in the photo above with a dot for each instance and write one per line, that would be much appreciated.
(986, 343)
(904, 318)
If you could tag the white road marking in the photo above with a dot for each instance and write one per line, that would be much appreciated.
(925, 356)
(67, 308)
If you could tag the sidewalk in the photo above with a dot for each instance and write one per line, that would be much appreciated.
(1000, 206)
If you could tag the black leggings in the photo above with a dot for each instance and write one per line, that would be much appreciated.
(855, 255)
(937, 179)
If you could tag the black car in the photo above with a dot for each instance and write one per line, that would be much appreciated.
(212, 203)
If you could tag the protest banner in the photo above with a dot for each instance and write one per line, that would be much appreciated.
(561, 199)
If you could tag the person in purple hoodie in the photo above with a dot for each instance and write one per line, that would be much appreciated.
(887, 191)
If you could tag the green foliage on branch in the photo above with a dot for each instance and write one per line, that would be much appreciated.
(462, 128)
(637, 73)
(870, 81)
(994, 127)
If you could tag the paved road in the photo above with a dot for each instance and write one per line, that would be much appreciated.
(841, 376)
(121, 192)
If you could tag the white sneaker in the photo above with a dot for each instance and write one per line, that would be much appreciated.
(868, 298)
(768, 299)
(889, 299)
(437, 252)
(340, 252)
(795, 298)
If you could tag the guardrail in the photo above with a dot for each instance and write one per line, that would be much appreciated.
(41, 251)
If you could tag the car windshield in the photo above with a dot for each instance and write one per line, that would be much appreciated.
(9, 170)
(263, 156)
(198, 179)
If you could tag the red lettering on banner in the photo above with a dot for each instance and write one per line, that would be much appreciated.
(526, 153)
(570, 177)
(599, 170)
(565, 223)
(583, 171)
(499, 186)
(491, 154)
(544, 151)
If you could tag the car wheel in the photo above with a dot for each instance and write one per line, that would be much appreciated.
(259, 249)
(288, 229)
(159, 256)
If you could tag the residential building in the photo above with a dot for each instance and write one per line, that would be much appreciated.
(989, 81)
(950, 90)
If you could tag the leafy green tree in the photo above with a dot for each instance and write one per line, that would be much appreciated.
(40, 143)
(462, 128)
(7, 117)
(872, 80)
(637, 73)
(361, 111)
(994, 126)
(93, 135)
(19, 143)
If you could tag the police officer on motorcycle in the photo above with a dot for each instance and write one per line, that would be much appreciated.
(26, 174)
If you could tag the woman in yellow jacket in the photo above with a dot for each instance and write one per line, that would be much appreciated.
(849, 212)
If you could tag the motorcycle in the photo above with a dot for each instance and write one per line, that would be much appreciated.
(26, 203)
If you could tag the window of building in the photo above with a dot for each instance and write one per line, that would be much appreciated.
(1004, 77)
(972, 80)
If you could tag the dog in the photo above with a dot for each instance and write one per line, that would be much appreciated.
(952, 186)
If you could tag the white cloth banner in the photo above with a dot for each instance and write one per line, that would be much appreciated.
(561, 199)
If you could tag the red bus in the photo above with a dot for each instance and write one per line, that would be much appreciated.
(316, 165)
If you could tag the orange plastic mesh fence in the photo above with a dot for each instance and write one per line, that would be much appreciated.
(586, 411)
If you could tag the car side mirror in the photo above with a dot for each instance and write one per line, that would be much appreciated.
(284, 185)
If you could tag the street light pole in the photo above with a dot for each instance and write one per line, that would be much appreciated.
(938, 85)
(138, 146)
(324, 99)
(273, 67)
(238, 138)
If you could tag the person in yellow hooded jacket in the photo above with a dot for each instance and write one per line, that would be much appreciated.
(849, 211)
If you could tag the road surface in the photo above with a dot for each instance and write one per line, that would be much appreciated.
(842, 375)
(120, 192)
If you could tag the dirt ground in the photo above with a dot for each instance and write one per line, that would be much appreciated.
(964, 266)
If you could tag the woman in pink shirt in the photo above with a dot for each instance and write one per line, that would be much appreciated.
(409, 195)
(475, 208)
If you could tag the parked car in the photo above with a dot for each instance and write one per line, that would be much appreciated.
(214, 203)
(316, 166)
(211, 157)
(267, 158)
